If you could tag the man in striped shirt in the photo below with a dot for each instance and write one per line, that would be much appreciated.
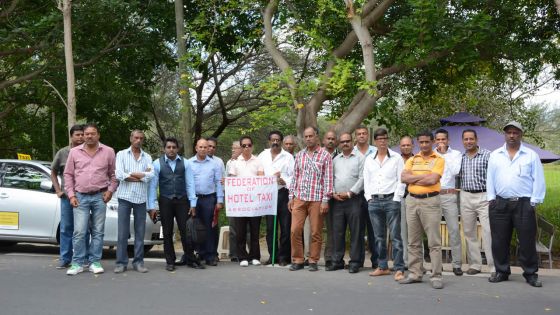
(133, 171)
(310, 192)
(474, 165)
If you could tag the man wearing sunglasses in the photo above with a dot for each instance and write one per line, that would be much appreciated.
(247, 165)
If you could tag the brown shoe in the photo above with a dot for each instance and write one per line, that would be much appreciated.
(399, 275)
(380, 272)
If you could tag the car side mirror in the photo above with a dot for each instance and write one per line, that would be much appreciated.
(46, 185)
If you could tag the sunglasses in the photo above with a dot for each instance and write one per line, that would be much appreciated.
(246, 146)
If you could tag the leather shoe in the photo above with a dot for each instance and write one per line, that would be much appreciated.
(353, 269)
(472, 271)
(458, 271)
(306, 262)
(196, 265)
(313, 267)
(498, 277)
(334, 267)
(295, 267)
(283, 263)
(170, 267)
(212, 262)
(534, 281)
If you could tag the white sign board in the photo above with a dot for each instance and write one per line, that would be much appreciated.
(250, 196)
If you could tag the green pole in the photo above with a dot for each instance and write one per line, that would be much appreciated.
(274, 242)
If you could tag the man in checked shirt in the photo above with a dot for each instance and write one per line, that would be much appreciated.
(310, 191)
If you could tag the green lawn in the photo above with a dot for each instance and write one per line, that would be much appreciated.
(551, 206)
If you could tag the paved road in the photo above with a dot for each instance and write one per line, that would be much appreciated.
(29, 284)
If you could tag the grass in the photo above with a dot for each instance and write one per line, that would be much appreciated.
(550, 208)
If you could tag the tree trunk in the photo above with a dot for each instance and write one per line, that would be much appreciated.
(186, 109)
(66, 8)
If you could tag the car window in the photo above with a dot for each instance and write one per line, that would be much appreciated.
(23, 176)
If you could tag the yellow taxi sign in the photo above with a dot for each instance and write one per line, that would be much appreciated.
(21, 156)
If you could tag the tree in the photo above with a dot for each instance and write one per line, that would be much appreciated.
(66, 7)
(371, 51)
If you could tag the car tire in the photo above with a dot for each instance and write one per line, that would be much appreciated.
(7, 243)
(130, 249)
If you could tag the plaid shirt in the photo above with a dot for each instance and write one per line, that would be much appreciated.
(473, 170)
(313, 176)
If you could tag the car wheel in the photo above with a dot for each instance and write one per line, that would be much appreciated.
(130, 249)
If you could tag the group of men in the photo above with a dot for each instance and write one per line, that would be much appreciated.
(92, 173)
(346, 184)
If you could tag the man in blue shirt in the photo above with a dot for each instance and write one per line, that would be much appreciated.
(176, 183)
(515, 185)
(209, 195)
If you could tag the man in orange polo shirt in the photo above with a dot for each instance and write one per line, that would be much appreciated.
(422, 173)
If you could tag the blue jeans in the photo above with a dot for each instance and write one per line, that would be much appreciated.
(123, 228)
(66, 229)
(91, 208)
(386, 213)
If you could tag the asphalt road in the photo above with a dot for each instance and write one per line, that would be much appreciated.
(30, 284)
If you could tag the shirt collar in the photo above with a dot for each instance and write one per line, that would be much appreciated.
(241, 158)
(195, 159)
(178, 158)
(503, 149)
(433, 154)
(130, 150)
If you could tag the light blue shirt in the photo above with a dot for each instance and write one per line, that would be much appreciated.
(207, 177)
(371, 149)
(521, 177)
(135, 192)
(189, 181)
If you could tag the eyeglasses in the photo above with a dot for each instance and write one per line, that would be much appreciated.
(244, 146)
(345, 141)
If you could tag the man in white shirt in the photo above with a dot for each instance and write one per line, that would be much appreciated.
(383, 191)
(448, 196)
(278, 162)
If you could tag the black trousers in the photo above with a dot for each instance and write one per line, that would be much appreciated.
(241, 230)
(347, 213)
(205, 211)
(175, 209)
(367, 227)
(504, 217)
(284, 219)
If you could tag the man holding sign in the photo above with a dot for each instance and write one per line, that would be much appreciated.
(247, 165)
(310, 191)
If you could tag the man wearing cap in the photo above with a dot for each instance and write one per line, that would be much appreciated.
(515, 184)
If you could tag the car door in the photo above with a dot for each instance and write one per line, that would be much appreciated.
(26, 210)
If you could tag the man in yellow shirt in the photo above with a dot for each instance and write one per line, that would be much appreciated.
(422, 173)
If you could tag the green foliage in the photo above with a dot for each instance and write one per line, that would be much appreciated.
(551, 204)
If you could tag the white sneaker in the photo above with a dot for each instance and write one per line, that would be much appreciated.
(256, 262)
(96, 268)
(244, 263)
(74, 270)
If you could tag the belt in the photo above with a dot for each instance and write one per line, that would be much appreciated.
(381, 196)
(204, 196)
(448, 191)
(95, 192)
(475, 191)
(423, 196)
(514, 198)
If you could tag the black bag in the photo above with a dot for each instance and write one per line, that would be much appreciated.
(196, 231)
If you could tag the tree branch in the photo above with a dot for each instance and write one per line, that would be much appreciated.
(29, 76)
(419, 64)
(377, 13)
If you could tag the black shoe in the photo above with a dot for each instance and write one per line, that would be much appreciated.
(458, 271)
(234, 259)
(268, 262)
(498, 277)
(170, 267)
(181, 262)
(328, 263)
(306, 262)
(212, 262)
(353, 269)
(534, 281)
(313, 267)
(283, 263)
(333, 267)
(472, 271)
(196, 265)
(295, 267)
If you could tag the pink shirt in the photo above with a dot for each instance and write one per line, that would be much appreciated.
(84, 173)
